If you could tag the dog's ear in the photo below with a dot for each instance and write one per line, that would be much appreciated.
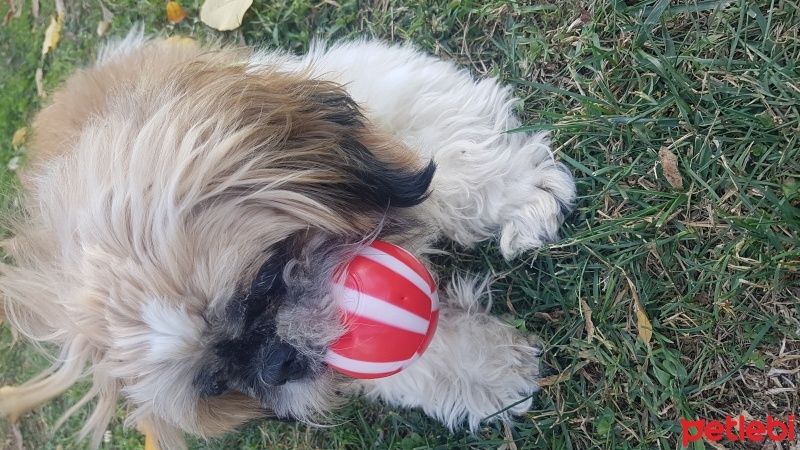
(366, 167)
(293, 143)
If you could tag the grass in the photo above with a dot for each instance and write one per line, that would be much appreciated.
(713, 265)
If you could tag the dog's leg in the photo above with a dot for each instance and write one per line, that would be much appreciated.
(476, 368)
(489, 183)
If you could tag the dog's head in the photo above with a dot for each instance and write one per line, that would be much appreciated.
(185, 217)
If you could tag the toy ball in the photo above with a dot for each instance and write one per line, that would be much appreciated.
(390, 308)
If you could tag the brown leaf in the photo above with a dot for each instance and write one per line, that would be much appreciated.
(35, 8)
(669, 166)
(175, 14)
(14, 11)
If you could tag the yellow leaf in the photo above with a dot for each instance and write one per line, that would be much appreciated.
(224, 15)
(19, 138)
(149, 442)
(180, 40)
(643, 324)
(175, 14)
(52, 34)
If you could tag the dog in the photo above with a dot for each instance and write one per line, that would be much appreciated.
(186, 207)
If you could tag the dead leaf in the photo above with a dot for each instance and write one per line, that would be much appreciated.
(14, 11)
(181, 40)
(545, 316)
(150, 441)
(35, 8)
(643, 325)
(175, 14)
(104, 25)
(19, 138)
(224, 15)
(509, 443)
(561, 377)
(20, 444)
(39, 85)
(587, 318)
(669, 166)
(52, 34)
(102, 28)
(60, 10)
(13, 164)
(7, 391)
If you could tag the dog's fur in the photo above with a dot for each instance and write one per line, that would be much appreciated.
(186, 208)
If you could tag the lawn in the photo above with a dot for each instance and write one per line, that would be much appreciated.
(673, 292)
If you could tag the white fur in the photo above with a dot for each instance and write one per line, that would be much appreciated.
(173, 332)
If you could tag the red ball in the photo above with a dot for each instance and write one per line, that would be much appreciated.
(390, 307)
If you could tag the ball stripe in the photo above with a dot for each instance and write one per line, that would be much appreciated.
(363, 368)
(434, 301)
(376, 280)
(406, 258)
(398, 267)
(379, 310)
(376, 342)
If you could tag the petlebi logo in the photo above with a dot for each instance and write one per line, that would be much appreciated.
(738, 429)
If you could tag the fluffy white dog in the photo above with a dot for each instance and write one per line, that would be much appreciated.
(186, 208)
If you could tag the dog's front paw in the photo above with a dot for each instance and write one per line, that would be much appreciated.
(477, 369)
(533, 208)
(503, 385)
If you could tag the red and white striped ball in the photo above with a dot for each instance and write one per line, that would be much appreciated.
(390, 306)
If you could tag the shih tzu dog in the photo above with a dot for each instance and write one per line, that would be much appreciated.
(186, 208)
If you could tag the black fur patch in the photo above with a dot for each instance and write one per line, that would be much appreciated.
(372, 180)
(384, 186)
